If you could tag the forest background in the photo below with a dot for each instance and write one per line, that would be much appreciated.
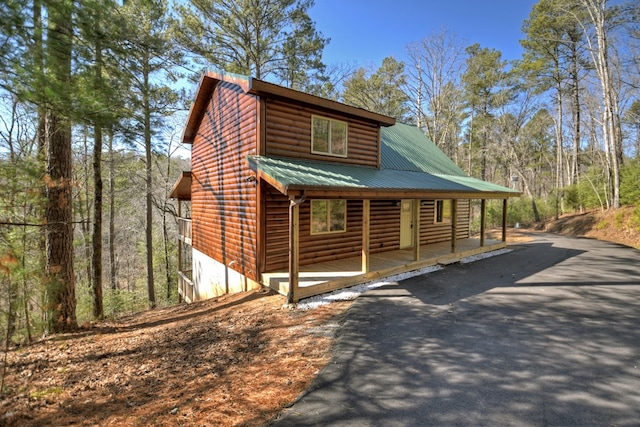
(93, 99)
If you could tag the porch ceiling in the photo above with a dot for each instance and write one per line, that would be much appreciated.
(324, 179)
(182, 188)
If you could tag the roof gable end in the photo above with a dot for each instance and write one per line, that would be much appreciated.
(249, 85)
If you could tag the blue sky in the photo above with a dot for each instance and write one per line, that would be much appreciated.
(364, 32)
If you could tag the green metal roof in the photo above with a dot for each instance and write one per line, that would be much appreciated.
(406, 148)
(294, 174)
(410, 162)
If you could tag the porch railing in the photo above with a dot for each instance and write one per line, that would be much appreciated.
(185, 285)
(184, 230)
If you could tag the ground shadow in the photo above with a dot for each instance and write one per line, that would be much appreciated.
(544, 335)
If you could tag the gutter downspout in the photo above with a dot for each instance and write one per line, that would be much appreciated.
(294, 245)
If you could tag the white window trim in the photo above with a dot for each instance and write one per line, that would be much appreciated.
(318, 233)
(323, 153)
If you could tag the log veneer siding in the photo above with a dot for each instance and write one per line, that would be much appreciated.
(224, 203)
(288, 134)
(384, 229)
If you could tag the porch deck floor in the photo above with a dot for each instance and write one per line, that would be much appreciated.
(315, 279)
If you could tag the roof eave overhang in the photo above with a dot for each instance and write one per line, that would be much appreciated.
(182, 188)
(259, 87)
(206, 87)
(388, 194)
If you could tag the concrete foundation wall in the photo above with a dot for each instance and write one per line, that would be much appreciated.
(212, 278)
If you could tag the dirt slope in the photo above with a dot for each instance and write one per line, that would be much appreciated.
(235, 361)
(614, 225)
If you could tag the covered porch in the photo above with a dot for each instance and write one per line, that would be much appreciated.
(301, 180)
(316, 279)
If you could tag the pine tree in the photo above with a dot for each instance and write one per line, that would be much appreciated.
(484, 82)
(381, 91)
(261, 38)
(61, 300)
(151, 59)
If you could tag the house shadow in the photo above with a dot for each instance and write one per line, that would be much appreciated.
(547, 332)
(463, 280)
(528, 265)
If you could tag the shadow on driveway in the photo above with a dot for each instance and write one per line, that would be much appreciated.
(544, 335)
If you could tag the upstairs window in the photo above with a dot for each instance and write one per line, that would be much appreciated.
(443, 211)
(328, 136)
(328, 216)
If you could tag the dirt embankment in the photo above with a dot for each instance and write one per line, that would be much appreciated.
(614, 225)
(230, 362)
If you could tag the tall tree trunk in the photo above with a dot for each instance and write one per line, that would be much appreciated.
(470, 164)
(165, 231)
(25, 287)
(638, 141)
(597, 11)
(61, 299)
(96, 238)
(483, 151)
(167, 264)
(84, 208)
(112, 221)
(558, 184)
(148, 181)
(41, 145)
(575, 161)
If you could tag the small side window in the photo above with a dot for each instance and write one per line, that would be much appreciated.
(443, 211)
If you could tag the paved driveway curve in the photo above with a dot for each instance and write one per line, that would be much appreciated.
(548, 334)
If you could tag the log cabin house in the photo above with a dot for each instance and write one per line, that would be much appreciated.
(307, 195)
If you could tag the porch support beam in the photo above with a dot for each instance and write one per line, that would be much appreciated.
(454, 226)
(416, 230)
(504, 220)
(483, 212)
(366, 227)
(180, 243)
(294, 249)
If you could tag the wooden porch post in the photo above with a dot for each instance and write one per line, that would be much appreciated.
(416, 230)
(454, 225)
(504, 220)
(366, 210)
(180, 244)
(179, 237)
(483, 211)
(294, 250)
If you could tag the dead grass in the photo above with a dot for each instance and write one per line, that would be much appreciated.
(232, 362)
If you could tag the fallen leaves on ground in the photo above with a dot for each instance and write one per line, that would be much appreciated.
(234, 361)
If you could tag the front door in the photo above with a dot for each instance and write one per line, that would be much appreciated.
(406, 224)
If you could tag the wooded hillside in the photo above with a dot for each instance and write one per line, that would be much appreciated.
(92, 104)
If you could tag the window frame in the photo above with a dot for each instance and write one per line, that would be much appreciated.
(329, 139)
(329, 202)
(442, 215)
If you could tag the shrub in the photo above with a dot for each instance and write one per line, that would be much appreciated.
(519, 211)
(635, 217)
(630, 183)
(572, 197)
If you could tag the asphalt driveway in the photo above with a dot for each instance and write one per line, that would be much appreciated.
(548, 334)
